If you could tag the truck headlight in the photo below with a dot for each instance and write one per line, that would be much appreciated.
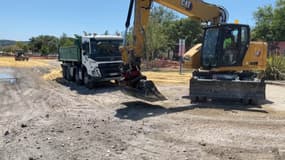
(96, 72)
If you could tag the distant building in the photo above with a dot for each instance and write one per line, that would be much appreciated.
(277, 48)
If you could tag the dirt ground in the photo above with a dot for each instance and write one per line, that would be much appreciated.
(56, 119)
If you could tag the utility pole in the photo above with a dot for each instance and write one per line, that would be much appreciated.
(181, 53)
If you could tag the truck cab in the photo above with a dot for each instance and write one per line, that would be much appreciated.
(95, 59)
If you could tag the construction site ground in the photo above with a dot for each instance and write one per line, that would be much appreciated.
(45, 117)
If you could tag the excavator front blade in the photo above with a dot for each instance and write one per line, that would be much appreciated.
(249, 92)
(145, 89)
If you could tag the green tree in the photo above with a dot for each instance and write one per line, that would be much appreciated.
(77, 40)
(44, 44)
(270, 22)
(187, 29)
(162, 15)
(21, 46)
(10, 48)
(156, 39)
(64, 40)
(263, 26)
(278, 23)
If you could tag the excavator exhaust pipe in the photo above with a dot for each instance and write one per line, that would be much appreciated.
(143, 89)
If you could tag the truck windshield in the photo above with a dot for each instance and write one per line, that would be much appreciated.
(209, 47)
(105, 48)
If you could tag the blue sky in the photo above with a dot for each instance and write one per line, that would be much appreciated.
(22, 19)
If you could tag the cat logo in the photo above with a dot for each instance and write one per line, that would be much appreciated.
(187, 4)
(257, 53)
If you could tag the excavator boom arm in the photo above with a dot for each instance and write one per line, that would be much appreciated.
(132, 53)
(196, 9)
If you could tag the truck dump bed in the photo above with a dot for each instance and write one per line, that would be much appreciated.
(69, 54)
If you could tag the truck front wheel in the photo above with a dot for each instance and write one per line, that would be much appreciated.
(87, 80)
(78, 76)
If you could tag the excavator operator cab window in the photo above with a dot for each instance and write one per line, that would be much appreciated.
(209, 56)
(230, 46)
(224, 45)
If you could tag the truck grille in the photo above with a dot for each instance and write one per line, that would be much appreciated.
(109, 70)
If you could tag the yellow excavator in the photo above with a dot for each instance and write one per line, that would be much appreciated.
(225, 64)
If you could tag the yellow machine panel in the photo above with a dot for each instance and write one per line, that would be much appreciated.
(255, 57)
(192, 57)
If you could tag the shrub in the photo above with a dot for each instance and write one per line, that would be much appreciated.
(275, 69)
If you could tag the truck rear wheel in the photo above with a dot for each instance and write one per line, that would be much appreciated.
(64, 72)
(87, 80)
(68, 75)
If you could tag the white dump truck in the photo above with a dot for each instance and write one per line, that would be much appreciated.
(93, 59)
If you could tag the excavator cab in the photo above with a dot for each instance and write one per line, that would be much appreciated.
(224, 45)
(228, 60)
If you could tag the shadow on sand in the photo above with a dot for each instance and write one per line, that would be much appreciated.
(138, 110)
(102, 87)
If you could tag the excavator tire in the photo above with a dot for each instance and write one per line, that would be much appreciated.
(248, 92)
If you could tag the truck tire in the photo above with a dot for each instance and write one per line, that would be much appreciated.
(64, 72)
(87, 80)
(68, 76)
(77, 77)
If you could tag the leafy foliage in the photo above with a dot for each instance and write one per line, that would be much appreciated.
(185, 29)
(12, 46)
(66, 41)
(263, 17)
(44, 44)
(275, 68)
(270, 22)
(156, 39)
